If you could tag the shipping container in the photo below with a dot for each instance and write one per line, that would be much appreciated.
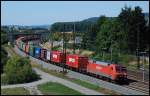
(31, 50)
(76, 61)
(37, 52)
(24, 47)
(21, 45)
(43, 53)
(34, 42)
(27, 49)
(17, 43)
(48, 55)
(58, 57)
(30, 42)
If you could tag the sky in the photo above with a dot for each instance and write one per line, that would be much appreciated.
(48, 12)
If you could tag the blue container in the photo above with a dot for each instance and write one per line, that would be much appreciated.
(37, 52)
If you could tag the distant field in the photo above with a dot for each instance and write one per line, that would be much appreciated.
(15, 91)
(53, 88)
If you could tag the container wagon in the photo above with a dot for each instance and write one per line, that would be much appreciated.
(48, 55)
(58, 57)
(43, 54)
(37, 52)
(77, 62)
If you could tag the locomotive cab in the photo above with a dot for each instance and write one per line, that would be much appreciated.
(120, 72)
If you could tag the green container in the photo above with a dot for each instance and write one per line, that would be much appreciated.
(21, 45)
(30, 43)
(31, 50)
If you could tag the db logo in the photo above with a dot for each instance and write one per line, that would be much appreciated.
(54, 56)
(71, 60)
(99, 68)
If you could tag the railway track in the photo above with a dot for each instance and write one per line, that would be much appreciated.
(138, 75)
(138, 86)
(136, 83)
(138, 79)
(132, 85)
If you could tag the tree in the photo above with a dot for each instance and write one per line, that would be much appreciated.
(4, 54)
(19, 70)
(102, 38)
(4, 58)
(133, 25)
(109, 39)
(89, 37)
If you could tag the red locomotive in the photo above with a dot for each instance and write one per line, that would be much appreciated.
(112, 71)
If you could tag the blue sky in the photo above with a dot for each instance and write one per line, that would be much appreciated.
(48, 12)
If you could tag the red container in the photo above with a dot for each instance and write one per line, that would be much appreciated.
(26, 48)
(43, 53)
(58, 57)
(17, 42)
(75, 61)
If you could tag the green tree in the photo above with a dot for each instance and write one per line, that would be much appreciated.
(89, 37)
(102, 38)
(19, 70)
(109, 39)
(133, 25)
(4, 58)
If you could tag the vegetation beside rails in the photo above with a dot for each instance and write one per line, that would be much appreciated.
(53, 88)
(77, 81)
(15, 91)
(3, 81)
(17, 70)
(10, 50)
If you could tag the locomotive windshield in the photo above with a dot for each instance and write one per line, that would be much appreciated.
(120, 69)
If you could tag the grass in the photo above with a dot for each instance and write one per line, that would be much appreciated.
(94, 87)
(3, 80)
(53, 88)
(77, 81)
(10, 50)
(14, 91)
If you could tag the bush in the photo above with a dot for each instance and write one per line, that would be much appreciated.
(19, 70)
(4, 58)
(3, 79)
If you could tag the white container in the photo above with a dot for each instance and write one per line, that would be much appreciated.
(48, 55)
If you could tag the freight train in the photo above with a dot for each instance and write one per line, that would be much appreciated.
(113, 72)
